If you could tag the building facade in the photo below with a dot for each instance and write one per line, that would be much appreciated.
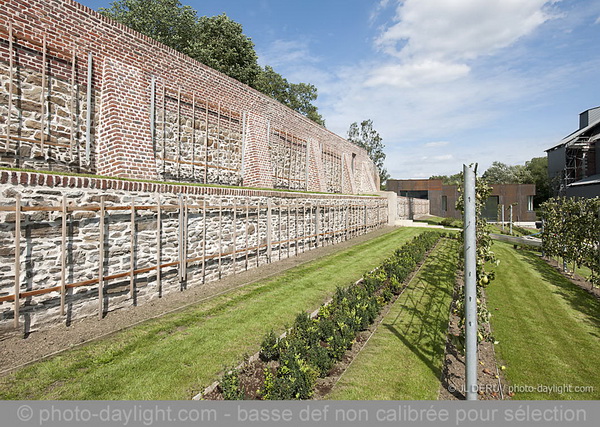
(573, 164)
(443, 198)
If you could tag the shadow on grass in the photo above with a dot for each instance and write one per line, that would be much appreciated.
(422, 322)
(579, 300)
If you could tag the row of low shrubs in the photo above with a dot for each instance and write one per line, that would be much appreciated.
(313, 346)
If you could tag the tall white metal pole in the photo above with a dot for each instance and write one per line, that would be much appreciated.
(511, 219)
(470, 252)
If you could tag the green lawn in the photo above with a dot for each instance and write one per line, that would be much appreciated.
(549, 329)
(176, 356)
(404, 358)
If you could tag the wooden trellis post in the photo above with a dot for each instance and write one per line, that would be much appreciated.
(10, 86)
(43, 97)
(101, 261)
(206, 144)
(258, 234)
(73, 103)
(88, 118)
(17, 258)
(246, 233)
(280, 245)
(269, 228)
(233, 256)
(317, 224)
(204, 240)
(158, 242)
(132, 253)
(220, 234)
(63, 255)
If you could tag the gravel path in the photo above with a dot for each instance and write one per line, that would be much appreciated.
(16, 352)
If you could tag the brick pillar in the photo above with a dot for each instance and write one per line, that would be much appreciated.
(257, 171)
(124, 145)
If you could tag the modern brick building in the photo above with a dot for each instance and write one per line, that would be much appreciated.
(442, 198)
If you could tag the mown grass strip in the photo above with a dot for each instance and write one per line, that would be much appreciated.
(176, 356)
(403, 359)
(548, 328)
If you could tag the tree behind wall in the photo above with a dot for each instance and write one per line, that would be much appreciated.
(369, 139)
(216, 41)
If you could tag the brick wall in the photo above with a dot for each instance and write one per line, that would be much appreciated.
(208, 127)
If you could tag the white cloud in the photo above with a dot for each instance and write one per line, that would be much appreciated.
(597, 20)
(415, 74)
(459, 29)
(436, 144)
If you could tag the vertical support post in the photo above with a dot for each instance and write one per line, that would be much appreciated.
(73, 104)
(185, 237)
(204, 240)
(10, 85)
(179, 132)
(470, 256)
(158, 242)
(101, 261)
(17, 259)
(63, 254)
(180, 239)
(269, 228)
(279, 246)
(511, 220)
(193, 136)
(164, 129)
(220, 235)
(502, 216)
(153, 112)
(218, 142)
(88, 115)
(258, 234)
(246, 232)
(289, 231)
(206, 144)
(43, 96)
(233, 256)
(132, 253)
(243, 160)
(296, 233)
(317, 224)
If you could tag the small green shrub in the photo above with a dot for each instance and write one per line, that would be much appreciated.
(230, 385)
(269, 348)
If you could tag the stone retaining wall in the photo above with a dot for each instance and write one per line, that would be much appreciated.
(218, 231)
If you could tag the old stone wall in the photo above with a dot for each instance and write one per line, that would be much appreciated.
(87, 246)
(82, 93)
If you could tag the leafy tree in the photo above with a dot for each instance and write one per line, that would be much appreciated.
(216, 41)
(222, 45)
(538, 170)
(369, 139)
(297, 96)
(455, 179)
(501, 173)
(164, 20)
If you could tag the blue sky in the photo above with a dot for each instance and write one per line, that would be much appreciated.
(445, 82)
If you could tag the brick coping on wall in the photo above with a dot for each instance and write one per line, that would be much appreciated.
(100, 183)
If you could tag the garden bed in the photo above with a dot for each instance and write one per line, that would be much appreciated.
(307, 361)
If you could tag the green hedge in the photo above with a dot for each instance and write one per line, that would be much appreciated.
(313, 346)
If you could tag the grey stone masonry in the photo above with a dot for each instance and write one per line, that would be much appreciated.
(76, 246)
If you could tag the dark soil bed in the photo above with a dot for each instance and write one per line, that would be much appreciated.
(491, 383)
